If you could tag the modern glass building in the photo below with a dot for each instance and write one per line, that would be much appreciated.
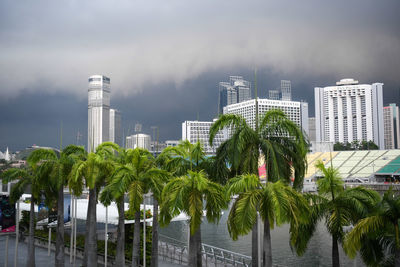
(349, 111)
(98, 111)
(235, 91)
(391, 126)
(115, 127)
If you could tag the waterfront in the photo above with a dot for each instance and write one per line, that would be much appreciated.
(317, 254)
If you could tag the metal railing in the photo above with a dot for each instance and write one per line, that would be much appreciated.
(177, 252)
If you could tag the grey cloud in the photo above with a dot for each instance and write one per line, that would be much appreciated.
(139, 43)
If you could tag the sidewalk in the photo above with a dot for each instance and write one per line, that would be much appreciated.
(41, 255)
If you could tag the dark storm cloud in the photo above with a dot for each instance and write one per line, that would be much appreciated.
(165, 58)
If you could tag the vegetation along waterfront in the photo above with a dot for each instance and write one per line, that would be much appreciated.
(183, 179)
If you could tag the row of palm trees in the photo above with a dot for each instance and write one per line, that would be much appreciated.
(184, 179)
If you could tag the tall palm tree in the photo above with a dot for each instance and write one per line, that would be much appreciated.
(338, 206)
(91, 172)
(55, 169)
(274, 138)
(137, 176)
(191, 157)
(276, 203)
(377, 236)
(27, 177)
(187, 194)
(112, 193)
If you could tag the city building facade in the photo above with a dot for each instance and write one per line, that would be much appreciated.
(294, 110)
(349, 111)
(391, 126)
(232, 92)
(286, 90)
(138, 140)
(115, 127)
(194, 131)
(98, 111)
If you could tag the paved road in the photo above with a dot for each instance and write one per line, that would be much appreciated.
(42, 260)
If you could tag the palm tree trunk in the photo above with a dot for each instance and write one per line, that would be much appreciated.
(31, 241)
(267, 248)
(92, 240)
(254, 245)
(120, 253)
(335, 252)
(199, 255)
(154, 244)
(85, 251)
(59, 259)
(136, 241)
(194, 247)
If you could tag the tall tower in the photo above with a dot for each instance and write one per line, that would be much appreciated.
(286, 90)
(115, 127)
(98, 111)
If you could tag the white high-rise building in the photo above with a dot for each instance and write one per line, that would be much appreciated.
(391, 126)
(295, 111)
(349, 111)
(286, 90)
(115, 127)
(194, 131)
(139, 140)
(98, 111)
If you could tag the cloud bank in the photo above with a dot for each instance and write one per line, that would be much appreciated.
(54, 46)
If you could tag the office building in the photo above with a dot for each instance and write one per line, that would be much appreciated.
(311, 129)
(349, 111)
(234, 91)
(98, 111)
(286, 90)
(274, 95)
(391, 126)
(115, 127)
(295, 111)
(194, 131)
(138, 140)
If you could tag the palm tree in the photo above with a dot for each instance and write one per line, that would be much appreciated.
(112, 193)
(274, 138)
(28, 176)
(187, 194)
(91, 172)
(136, 176)
(338, 206)
(276, 203)
(54, 172)
(377, 235)
(191, 157)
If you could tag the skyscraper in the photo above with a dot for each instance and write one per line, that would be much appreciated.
(391, 126)
(98, 111)
(286, 90)
(115, 127)
(274, 95)
(295, 111)
(235, 91)
(349, 111)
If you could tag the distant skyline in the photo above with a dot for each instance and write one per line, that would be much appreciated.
(166, 58)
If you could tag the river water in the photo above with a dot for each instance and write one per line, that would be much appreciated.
(318, 252)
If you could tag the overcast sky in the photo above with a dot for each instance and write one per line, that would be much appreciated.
(165, 58)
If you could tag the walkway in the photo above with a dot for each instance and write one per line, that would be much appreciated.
(41, 255)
